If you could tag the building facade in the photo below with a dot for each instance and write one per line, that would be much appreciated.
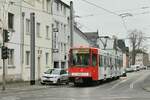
(15, 17)
(142, 59)
(43, 36)
(61, 33)
(10, 19)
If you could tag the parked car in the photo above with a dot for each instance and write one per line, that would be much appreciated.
(124, 74)
(54, 76)
(135, 67)
(129, 69)
(144, 67)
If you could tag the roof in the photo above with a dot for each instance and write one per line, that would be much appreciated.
(80, 33)
(92, 35)
(63, 3)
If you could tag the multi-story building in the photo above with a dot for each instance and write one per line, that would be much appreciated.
(61, 33)
(10, 19)
(43, 36)
(142, 59)
(15, 16)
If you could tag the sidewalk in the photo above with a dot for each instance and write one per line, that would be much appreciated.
(21, 86)
(146, 84)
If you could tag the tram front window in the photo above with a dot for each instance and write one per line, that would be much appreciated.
(79, 59)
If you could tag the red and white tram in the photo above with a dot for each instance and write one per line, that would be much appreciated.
(93, 64)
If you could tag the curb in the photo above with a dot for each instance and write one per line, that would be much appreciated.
(147, 89)
(20, 89)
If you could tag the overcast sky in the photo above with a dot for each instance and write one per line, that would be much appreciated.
(110, 24)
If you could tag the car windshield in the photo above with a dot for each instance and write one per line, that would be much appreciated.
(52, 71)
(55, 72)
(49, 71)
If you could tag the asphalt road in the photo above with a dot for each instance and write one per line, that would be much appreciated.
(129, 88)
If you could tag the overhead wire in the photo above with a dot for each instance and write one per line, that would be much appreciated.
(114, 13)
(106, 10)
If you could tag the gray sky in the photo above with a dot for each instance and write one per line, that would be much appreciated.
(110, 24)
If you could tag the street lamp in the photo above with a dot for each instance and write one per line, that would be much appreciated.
(123, 15)
(77, 16)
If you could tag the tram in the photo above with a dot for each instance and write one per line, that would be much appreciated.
(88, 64)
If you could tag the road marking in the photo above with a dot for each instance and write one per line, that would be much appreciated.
(138, 80)
(114, 86)
(131, 86)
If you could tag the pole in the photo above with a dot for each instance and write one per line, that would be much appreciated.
(71, 23)
(32, 48)
(4, 74)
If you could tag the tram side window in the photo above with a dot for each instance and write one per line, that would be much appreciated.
(104, 60)
(115, 62)
(101, 61)
(108, 61)
(94, 60)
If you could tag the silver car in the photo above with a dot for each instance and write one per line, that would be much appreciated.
(54, 76)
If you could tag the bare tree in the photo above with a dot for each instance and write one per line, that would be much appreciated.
(136, 39)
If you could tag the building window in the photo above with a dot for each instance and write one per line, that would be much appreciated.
(61, 7)
(48, 6)
(43, 4)
(56, 64)
(57, 25)
(61, 46)
(10, 20)
(64, 47)
(55, 41)
(27, 26)
(47, 32)
(65, 29)
(11, 57)
(68, 39)
(57, 6)
(38, 29)
(64, 10)
(61, 27)
(27, 57)
(47, 58)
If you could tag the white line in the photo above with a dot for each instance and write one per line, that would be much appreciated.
(138, 80)
(131, 86)
(114, 86)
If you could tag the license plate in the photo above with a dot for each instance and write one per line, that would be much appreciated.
(79, 80)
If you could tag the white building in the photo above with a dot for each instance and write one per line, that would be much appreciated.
(61, 33)
(142, 59)
(43, 36)
(10, 19)
(16, 18)
(80, 39)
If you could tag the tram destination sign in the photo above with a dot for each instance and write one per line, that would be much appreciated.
(81, 50)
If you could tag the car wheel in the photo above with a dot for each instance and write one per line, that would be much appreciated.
(67, 83)
(42, 83)
(58, 82)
